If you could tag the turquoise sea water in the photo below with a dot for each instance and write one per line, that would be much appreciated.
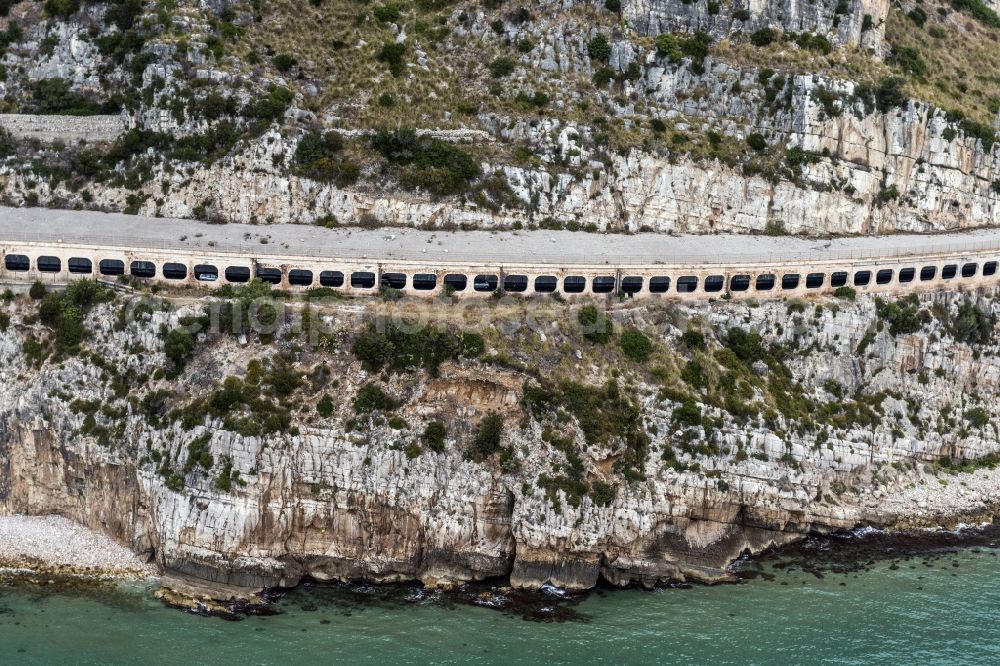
(942, 608)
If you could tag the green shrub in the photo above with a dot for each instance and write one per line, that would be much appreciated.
(918, 16)
(54, 96)
(473, 344)
(814, 42)
(501, 67)
(391, 54)
(598, 48)
(227, 477)
(748, 346)
(602, 493)
(434, 436)
(486, 441)
(325, 406)
(688, 414)
(845, 292)
(65, 313)
(317, 157)
(762, 37)
(37, 291)
(603, 76)
(371, 398)
(979, 10)
(909, 60)
(199, 454)
(636, 345)
(596, 326)
(153, 406)
(904, 316)
(404, 350)
(693, 339)
(775, 228)
(977, 416)
(971, 325)
(63, 9)
(674, 48)
(889, 94)
(757, 141)
(387, 13)
(284, 62)
(272, 106)
(425, 162)
(178, 347)
(694, 374)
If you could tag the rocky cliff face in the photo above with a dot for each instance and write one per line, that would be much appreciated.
(606, 468)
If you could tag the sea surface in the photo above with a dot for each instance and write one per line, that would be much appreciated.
(833, 604)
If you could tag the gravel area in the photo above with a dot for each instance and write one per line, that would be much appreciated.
(57, 544)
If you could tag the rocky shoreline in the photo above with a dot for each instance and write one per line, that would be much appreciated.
(55, 546)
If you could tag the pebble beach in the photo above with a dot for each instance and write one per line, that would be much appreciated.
(54, 544)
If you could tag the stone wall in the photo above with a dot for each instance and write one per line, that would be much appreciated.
(64, 128)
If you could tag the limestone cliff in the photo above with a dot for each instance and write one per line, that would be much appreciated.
(669, 117)
(284, 457)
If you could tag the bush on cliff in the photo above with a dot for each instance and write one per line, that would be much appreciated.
(425, 162)
(199, 454)
(636, 345)
(434, 436)
(325, 406)
(64, 313)
(846, 293)
(502, 67)
(371, 398)
(971, 325)
(391, 54)
(486, 441)
(317, 157)
(599, 48)
(903, 316)
(63, 9)
(402, 350)
(55, 96)
(596, 326)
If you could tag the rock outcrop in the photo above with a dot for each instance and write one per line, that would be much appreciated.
(842, 22)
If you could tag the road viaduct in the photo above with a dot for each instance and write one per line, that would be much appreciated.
(56, 246)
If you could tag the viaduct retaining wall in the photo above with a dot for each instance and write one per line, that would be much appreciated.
(65, 128)
(55, 262)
